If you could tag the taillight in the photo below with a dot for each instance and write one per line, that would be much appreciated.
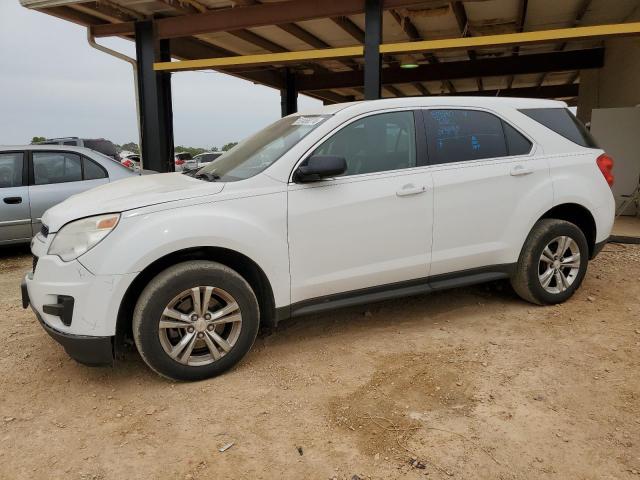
(179, 161)
(127, 163)
(605, 164)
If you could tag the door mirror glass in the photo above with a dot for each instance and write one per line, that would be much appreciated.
(318, 167)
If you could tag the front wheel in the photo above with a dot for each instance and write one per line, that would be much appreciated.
(552, 264)
(195, 320)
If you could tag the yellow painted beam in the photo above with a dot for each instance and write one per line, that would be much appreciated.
(509, 39)
(261, 59)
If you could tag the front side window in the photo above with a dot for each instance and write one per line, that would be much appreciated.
(258, 152)
(376, 143)
(56, 167)
(11, 165)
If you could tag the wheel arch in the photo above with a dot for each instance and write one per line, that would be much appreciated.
(245, 266)
(579, 216)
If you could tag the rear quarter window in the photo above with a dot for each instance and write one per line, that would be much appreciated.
(564, 123)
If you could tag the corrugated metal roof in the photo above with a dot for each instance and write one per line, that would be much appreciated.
(431, 21)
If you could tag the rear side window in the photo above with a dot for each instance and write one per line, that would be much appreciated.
(517, 144)
(92, 171)
(460, 135)
(564, 123)
(11, 165)
(56, 167)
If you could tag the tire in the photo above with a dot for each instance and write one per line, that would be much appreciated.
(176, 291)
(533, 271)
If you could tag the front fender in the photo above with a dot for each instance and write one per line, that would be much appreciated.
(253, 226)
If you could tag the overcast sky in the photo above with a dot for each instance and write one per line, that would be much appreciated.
(53, 84)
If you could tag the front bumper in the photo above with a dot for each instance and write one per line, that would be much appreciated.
(88, 350)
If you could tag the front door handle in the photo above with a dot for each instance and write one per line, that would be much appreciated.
(12, 200)
(411, 189)
(519, 170)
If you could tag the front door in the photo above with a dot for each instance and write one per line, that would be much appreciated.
(15, 218)
(370, 226)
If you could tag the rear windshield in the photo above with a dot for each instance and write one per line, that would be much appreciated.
(564, 123)
(103, 146)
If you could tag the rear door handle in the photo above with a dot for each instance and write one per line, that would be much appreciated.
(12, 200)
(519, 170)
(411, 189)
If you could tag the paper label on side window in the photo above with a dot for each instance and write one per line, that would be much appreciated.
(308, 121)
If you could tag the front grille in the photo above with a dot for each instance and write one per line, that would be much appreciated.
(35, 262)
(44, 230)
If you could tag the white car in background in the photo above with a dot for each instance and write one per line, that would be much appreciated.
(180, 158)
(200, 160)
(351, 204)
(130, 160)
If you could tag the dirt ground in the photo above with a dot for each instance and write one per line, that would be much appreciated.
(469, 383)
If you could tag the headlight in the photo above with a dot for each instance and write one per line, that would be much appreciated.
(78, 237)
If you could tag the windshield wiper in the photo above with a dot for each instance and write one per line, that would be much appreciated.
(208, 176)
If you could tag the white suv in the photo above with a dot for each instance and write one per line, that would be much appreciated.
(351, 204)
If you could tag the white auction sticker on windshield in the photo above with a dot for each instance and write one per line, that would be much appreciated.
(308, 120)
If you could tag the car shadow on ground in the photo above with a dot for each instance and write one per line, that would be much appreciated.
(13, 251)
(406, 313)
(427, 310)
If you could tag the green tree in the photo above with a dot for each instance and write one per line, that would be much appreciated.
(37, 140)
(130, 147)
(192, 150)
(229, 146)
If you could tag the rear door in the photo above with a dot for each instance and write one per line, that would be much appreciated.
(56, 175)
(15, 218)
(489, 185)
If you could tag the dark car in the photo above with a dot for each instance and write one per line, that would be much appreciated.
(101, 145)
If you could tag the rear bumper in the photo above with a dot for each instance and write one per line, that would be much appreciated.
(91, 351)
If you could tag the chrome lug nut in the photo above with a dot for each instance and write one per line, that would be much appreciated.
(190, 329)
(200, 335)
(210, 327)
(207, 316)
(194, 317)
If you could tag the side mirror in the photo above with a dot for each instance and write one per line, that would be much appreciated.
(317, 167)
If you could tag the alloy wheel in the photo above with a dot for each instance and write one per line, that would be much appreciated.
(200, 325)
(559, 264)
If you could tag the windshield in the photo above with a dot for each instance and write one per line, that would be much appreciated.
(261, 150)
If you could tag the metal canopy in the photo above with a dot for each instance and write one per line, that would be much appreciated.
(217, 29)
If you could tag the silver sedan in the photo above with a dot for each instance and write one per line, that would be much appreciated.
(34, 178)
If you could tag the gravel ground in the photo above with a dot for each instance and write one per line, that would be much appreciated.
(469, 383)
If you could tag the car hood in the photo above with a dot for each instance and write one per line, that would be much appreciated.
(128, 194)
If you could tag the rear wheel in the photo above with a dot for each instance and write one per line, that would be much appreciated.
(552, 264)
(195, 320)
